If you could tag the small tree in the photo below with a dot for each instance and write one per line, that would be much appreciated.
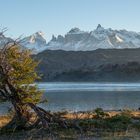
(17, 77)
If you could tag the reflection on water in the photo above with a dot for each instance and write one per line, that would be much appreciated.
(81, 86)
(88, 96)
(89, 100)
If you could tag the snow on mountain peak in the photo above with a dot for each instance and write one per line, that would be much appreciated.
(118, 38)
(35, 42)
(53, 38)
(39, 34)
(100, 30)
(99, 27)
(77, 40)
(75, 30)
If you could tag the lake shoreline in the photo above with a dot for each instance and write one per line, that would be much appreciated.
(4, 119)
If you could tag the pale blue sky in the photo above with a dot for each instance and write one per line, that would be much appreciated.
(59, 16)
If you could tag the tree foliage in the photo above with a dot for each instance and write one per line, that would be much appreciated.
(17, 71)
(17, 85)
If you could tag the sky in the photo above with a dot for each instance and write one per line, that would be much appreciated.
(25, 17)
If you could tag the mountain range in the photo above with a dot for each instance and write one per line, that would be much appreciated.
(77, 40)
(99, 55)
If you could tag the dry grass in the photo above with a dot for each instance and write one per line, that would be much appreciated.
(88, 115)
(4, 120)
(79, 115)
(68, 134)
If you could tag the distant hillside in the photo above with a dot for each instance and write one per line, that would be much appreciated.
(99, 65)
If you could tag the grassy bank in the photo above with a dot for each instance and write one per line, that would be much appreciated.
(82, 125)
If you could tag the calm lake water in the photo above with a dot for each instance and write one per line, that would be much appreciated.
(88, 96)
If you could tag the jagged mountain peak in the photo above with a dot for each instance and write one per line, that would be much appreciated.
(78, 40)
(35, 42)
(53, 38)
(39, 33)
(75, 30)
(38, 36)
(99, 27)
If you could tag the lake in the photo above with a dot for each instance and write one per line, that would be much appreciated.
(79, 96)
(88, 96)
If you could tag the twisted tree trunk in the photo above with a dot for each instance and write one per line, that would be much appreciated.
(23, 116)
(20, 119)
